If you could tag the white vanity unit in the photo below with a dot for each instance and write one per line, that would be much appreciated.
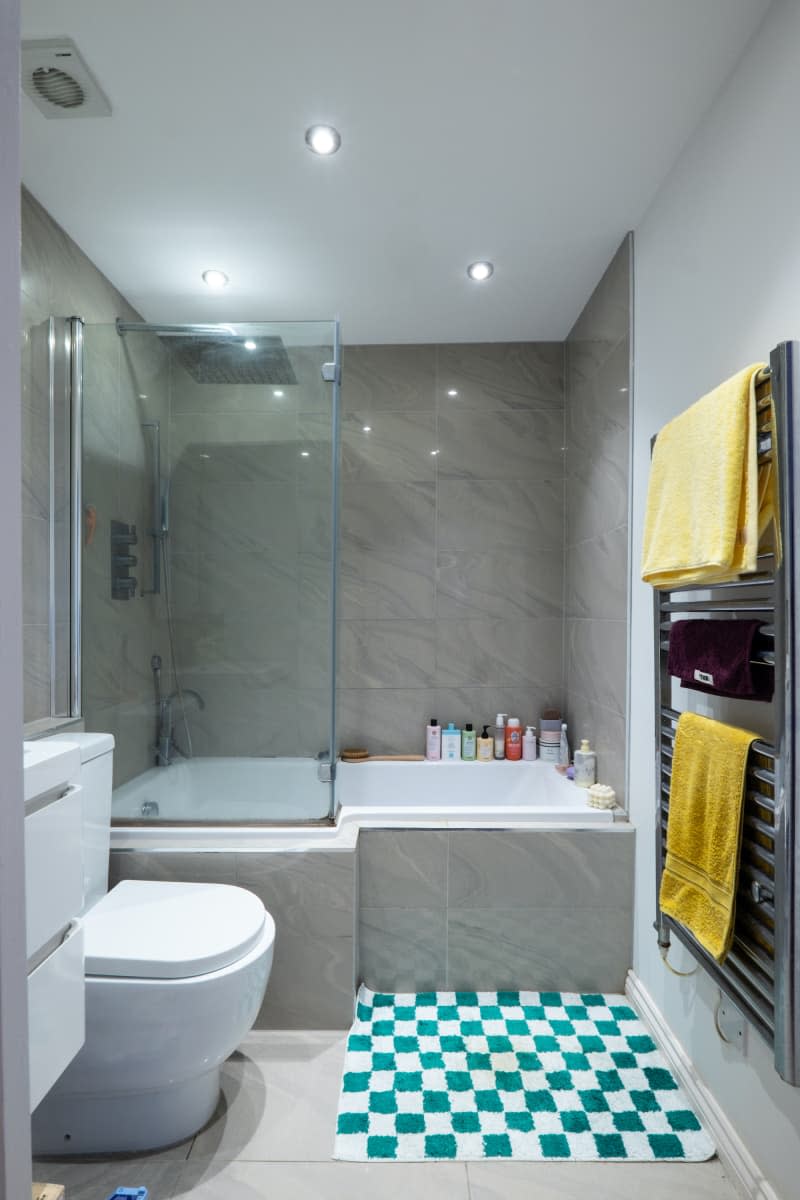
(54, 900)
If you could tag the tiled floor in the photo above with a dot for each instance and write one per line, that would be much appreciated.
(273, 1136)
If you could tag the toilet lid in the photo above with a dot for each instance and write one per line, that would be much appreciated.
(147, 930)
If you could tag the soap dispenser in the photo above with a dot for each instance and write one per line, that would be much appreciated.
(585, 765)
(485, 746)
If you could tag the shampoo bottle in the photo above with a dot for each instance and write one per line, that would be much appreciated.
(529, 744)
(485, 746)
(468, 743)
(433, 741)
(500, 736)
(451, 744)
(585, 765)
(563, 751)
(513, 740)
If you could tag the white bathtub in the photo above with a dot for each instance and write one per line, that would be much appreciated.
(229, 803)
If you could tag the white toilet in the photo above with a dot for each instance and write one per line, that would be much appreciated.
(175, 975)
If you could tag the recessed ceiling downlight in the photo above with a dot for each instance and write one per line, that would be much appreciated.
(480, 270)
(215, 279)
(323, 139)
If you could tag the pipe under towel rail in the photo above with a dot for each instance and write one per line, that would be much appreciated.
(761, 974)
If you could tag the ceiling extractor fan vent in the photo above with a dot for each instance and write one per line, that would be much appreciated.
(58, 81)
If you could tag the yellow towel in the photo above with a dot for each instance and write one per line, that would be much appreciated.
(702, 518)
(698, 886)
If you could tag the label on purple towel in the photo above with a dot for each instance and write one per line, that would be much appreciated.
(703, 677)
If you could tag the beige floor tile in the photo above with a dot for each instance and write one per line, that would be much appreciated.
(96, 1179)
(322, 1181)
(600, 1181)
(280, 1098)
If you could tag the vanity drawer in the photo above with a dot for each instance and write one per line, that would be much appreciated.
(56, 1013)
(53, 867)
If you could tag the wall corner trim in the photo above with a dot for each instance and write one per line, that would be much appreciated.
(737, 1161)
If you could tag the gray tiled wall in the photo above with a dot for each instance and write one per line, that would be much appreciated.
(312, 899)
(595, 595)
(451, 563)
(482, 909)
(124, 384)
(420, 909)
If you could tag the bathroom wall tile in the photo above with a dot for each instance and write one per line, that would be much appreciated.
(538, 949)
(314, 665)
(386, 654)
(388, 517)
(309, 893)
(315, 588)
(395, 448)
(256, 447)
(59, 277)
(35, 570)
(311, 984)
(598, 649)
(382, 378)
(178, 866)
(225, 582)
(386, 584)
(500, 583)
(405, 868)
(236, 518)
(479, 705)
(314, 519)
(597, 576)
(238, 645)
(386, 720)
(606, 730)
(487, 651)
(501, 445)
(245, 714)
(569, 869)
(36, 665)
(35, 463)
(487, 514)
(606, 316)
(500, 375)
(312, 732)
(402, 949)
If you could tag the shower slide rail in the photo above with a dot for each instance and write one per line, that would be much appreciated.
(761, 974)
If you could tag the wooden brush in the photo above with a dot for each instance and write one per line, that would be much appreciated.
(355, 755)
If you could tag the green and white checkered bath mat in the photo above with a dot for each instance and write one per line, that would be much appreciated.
(517, 1075)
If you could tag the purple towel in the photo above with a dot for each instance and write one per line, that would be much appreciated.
(717, 657)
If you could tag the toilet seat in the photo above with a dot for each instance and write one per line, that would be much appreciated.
(153, 930)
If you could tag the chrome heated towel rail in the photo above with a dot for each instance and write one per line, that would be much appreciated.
(761, 974)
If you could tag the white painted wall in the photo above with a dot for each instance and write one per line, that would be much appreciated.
(717, 285)
(15, 1150)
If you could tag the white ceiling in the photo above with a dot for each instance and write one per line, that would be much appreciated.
(531, 132)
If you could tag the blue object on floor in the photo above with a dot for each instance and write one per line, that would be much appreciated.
(129, 1194)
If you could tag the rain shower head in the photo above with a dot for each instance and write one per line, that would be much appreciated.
(220, 353)
(226, 359)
